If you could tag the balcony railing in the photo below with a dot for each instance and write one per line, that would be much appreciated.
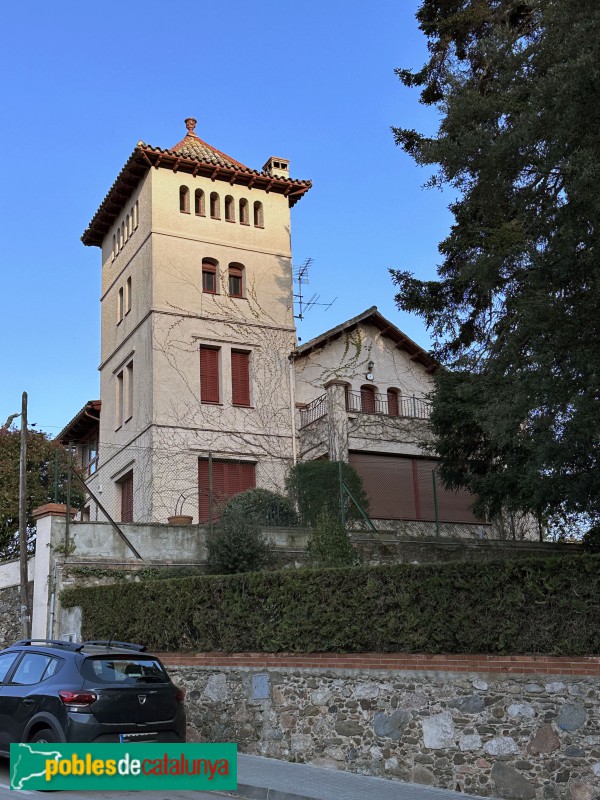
(314, 410)
(398, 406)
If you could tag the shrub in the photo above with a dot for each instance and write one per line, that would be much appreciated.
(237, 544)
(265, 507)
(330, 545)
(591, 539)
(315, 488)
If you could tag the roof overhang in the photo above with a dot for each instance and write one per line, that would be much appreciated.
(371, 317)
(144, 157)
(83, 424)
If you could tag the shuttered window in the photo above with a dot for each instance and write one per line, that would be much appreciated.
(400, 487)
(392, 398)
(240, 378)
(228, 479)
(367, 399)
(209, 375)
(126, 487)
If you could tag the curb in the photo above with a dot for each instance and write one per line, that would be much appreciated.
(249, 792)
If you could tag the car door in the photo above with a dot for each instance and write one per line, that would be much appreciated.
(23, 694)
(7, 662)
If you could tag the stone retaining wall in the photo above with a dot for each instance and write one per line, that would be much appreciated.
(10, 615)
(503, 727)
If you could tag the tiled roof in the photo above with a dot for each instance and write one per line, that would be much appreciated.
(190, 155)
(82, 423)
(373, 317)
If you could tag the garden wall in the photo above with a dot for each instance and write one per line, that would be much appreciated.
(513, 727)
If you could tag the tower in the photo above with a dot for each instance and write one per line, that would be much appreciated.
(196, 328)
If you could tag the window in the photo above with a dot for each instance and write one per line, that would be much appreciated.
(392, 400)
(367, 399)
(123, 239)
(134, 212)
(228, 479)
(215, 206)
(229, 209)
(244, 212)
(199, 210)
(129, 391)
(114, 247)
(258, 215)
(209, 375)
(6, 662)
(120, 305)
(35, 667)
(240, 378)
(126, 491)
(128, 296)
(119, 402)
(236, 280)
(209, 276)
(184, 199)
(128, 225)
(89, 455)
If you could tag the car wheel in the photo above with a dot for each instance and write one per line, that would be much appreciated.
(43, 736)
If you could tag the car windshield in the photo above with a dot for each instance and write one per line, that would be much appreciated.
(123, 670)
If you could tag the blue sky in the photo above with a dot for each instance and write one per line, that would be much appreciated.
(313, 82)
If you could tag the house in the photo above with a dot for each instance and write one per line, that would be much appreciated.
(201, 378)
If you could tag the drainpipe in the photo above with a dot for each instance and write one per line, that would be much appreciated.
(293, 410)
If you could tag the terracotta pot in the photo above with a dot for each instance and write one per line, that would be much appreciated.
(180, 519)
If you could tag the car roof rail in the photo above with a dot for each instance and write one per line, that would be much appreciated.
(140, 648)
(51, 642)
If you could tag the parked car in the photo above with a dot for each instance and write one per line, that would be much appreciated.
(97, 691)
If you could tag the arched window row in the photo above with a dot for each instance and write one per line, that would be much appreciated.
(234, 212)
(369, 400)
(231, 281)
(128, 225)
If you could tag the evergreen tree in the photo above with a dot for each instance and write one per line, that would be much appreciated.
(514, 311)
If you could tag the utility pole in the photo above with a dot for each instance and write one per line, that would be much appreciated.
(24, 594)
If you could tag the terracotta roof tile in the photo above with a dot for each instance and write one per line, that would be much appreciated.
(192, 146)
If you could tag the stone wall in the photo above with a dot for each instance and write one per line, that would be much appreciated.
(10, 615)
(505, 731)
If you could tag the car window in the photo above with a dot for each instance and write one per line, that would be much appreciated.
(107, 669)
(35, 668)
(6, 662)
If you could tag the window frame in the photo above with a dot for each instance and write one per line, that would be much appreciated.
(241, 387)
(184, 200)
(210, 383)
(210, 267)
(235, 271)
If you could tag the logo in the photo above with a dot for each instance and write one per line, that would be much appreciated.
(142, 699)
(124, 767)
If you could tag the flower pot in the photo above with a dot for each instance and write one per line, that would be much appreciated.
(180, 519)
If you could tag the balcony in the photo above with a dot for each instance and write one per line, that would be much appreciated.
(365, 402)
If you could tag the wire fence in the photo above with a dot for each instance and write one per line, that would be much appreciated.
(404, 495)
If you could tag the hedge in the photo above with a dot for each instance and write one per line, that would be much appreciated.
(527, 607)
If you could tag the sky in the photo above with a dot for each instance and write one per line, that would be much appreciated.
(311, 81)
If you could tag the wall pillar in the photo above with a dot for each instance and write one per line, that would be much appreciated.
(46, 517)
(337, 420)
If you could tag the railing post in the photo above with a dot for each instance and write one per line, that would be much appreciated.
(435, 506)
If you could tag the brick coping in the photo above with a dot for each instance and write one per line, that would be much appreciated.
(523, 665)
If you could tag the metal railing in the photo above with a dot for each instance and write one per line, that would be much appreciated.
(313, 411)
(400, 406)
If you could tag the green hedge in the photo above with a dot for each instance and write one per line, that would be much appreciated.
(532, 606)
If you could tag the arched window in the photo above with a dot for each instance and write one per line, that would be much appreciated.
(244, 212)
(184, 199)
(123, 239)
(215, 206)
(118, 240)
(229, 209)
(199, 210)
(136, 214)
(236, 280)
(114, 249)
(128, 225)
(393, 402)
(209, 276)
(258, 215)
(367, 399)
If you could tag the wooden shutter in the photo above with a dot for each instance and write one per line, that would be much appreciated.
(229, 478)
(240, 378)
(209, 375)
(367, 399)
(126, 485)
(392, 398)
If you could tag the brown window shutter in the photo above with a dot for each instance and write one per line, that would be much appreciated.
(209, 375)
(126, 485)
(240, 378)
(229, 478)
(367, 399)
(392, 398)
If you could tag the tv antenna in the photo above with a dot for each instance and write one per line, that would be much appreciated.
(301, 278)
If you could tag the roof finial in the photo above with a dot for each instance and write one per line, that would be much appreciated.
(190, 124)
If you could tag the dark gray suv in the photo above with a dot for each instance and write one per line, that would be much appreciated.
(99, 691)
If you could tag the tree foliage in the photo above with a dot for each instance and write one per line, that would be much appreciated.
(265, 507)
(315, 488)
(237, 543)
(514, 311)
(42, 455)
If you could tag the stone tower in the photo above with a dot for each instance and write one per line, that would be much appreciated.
(197, 326)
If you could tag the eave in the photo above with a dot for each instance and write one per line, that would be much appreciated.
(144, 157)
(84, 423)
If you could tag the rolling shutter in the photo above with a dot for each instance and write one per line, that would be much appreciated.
(240, 378)
(209, 375)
